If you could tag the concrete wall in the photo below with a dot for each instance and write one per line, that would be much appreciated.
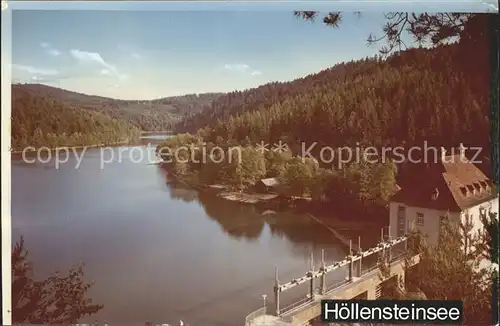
(368, 283)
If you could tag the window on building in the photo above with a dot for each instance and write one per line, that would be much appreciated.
(420, 219)
(442, 220)
(401, 211)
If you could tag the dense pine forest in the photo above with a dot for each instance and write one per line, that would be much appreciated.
(151, 115)
(40, 121)
(415, 96)
(436, 96)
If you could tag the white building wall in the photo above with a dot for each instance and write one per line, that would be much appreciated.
(474, 213)
(393, 219)
(430, 226)
(431, 220)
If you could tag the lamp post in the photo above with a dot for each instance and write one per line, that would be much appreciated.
(264, 297)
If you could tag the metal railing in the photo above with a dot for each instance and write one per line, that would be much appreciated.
(280, 323)
(396, 252)
(257, 313)
(296, 304)
(370, 269)
(338, 284)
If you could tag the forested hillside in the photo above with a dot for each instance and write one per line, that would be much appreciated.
(438, 95)
(415, 96)
(433, 96)
(154, 115)
(40, 121)
(418, 95)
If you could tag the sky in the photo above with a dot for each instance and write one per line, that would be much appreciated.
(160, 49)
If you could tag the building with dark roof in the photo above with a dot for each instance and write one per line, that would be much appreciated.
(452, 188)
(267, 185)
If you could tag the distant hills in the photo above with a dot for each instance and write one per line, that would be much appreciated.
(43, 121)
(434, 95)
(149, 115)
(49, 116)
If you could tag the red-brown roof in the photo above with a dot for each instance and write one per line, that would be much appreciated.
(453, 184)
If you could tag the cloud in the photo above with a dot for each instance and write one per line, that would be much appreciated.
(92, 66)
(238, 67)
(38, 78)
(54, 52)
(34, 70)
(27, 73)
(50, 50)
(136, 55)
(90, 57)
(95, 58)
(242, 69)
(491, 7)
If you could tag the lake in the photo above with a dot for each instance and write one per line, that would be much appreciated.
(157, 252)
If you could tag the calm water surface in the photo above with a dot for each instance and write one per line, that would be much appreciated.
(156, 252)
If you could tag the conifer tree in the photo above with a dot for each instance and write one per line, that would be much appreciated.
(59, 299)
(449, 270)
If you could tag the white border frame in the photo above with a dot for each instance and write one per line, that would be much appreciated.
(6, 162)
(201, 5)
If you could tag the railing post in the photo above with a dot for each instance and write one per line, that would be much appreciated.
(351, 263)
(311, 274)
(382, 242)
(390, 248)
(360, 272)
(323, 273)
(276, 293)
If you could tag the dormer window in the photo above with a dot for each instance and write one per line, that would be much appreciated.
(477, 186)
(471, 189)
(435, 194)
(464, 191)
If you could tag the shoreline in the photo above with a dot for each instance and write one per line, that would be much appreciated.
(34, 149)
(124, 142)
(273, 203)
(262, 200)
(161, 132)
(247, 198)
(270, 204)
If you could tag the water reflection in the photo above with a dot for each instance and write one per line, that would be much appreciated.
(157, 250)
(247, 222)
